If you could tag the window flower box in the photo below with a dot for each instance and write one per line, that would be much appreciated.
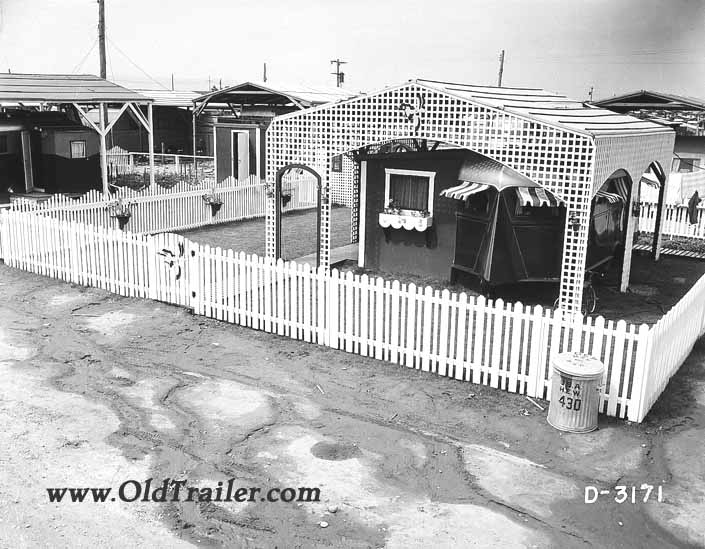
(405, 219)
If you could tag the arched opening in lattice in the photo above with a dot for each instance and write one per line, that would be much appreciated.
(650, 195)
(297, 194)
(607, 236)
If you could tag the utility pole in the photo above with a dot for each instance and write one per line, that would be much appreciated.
(265, 73)
(339, 76)
(501, 68)
(172, 81)
(592, 88)
(101, 37)
(103, 70)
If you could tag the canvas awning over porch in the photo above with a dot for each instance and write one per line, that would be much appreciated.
(479, 173)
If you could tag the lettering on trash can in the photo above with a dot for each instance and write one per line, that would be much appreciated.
(570, 394)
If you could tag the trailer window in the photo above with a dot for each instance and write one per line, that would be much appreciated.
(78, 149)
(409, 190)
(478, 203)
(3, 144)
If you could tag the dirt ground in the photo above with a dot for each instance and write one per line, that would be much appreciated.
(98, 389)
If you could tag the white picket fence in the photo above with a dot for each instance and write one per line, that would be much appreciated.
(671, 340)
(507, 346)
(181, 207)
(675, 220)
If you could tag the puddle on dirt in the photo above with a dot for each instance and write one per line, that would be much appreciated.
(517, 481)
(335, 451)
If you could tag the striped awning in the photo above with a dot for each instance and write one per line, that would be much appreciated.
(622, 188)
(464, 191)
(536, 197)
(651, 178)
(612, 198)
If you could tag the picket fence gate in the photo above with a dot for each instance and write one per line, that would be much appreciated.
(507, 346)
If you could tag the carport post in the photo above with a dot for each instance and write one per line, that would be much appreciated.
(193, 131)
(150, 120)
(103, 150)
(658, 237)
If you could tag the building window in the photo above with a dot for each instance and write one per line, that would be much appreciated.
(685, 165)
(78, 149)
(409, 190)
(337, 163)
(3, 145)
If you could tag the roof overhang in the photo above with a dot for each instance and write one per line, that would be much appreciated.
(645, 99)
(64, 89)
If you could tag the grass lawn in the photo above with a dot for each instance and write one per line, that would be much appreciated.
(298, 233)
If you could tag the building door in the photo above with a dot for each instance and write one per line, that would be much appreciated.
(240, 154)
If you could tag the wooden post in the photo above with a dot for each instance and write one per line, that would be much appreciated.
(150, 119)
(193, 131)
(103, 152)
(656, 245)
(27, 161)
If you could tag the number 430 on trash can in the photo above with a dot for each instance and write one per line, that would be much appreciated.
(570, 394)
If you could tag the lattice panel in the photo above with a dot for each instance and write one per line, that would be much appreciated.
(341, 183)
(355, 205)
(558, 159)
(634, 155)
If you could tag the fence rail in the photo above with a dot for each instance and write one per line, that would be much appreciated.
(180, 207)
(676, 221)
(508, 346)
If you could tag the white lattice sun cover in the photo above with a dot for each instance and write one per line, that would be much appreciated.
(523, 129)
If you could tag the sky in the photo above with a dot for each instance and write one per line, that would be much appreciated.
(569, 46)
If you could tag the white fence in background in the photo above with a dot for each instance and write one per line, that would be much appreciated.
(157, 209)
(676, 221)
(503, 345)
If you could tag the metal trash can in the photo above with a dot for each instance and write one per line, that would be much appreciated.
(575, 392)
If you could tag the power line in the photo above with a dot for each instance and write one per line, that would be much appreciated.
(80, 64)
(690, 163)
(135, 64)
